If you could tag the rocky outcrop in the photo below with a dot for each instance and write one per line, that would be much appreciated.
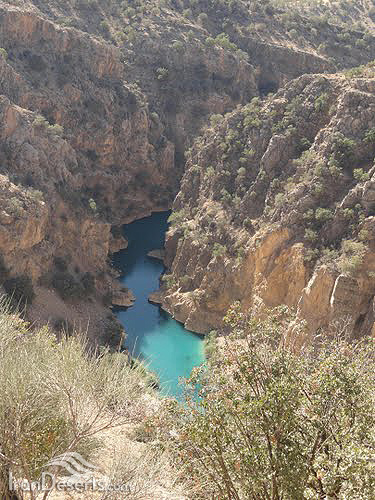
(98, 106)
(123, 297)
(276, 206)
(155, 298)
(117, 243)
(158, 254)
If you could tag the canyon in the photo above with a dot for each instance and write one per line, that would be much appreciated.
(187, 191)
(98, 115)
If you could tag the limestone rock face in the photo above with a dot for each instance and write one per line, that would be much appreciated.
(368, 195)
(23, 227)
(315, 302)
(117, 244)
(158, 254)
(155, 298)
(97, 112)
(274, 271)
(345, 295)
(294, 224)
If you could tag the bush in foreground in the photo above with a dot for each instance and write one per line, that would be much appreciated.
(57, 397)
(272, 423)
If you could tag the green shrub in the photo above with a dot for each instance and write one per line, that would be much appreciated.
(219, 250)
(226, 197)
(271, 422)
(56, 130)
(370, 136)
(323, 214)
(364, 235)
(92, 205)
(67, 21)
(311, 235)
(343, 149)
(329, 256)
(105, 28)
(311, 254)
(203, 19)
(359, 175)
(169, 280)
(223, 41)
(176, 218)
(352, 255)
(35, 194)
(15, 207)
(67, 286)
(185, 280)
(41, 122)
(178, 45)
(210, 172)
(20, 290)
(280, 199)
(215, 119)
(318, 189)
(321, 102)
(304, 144)
(162, 74)
(209, 344)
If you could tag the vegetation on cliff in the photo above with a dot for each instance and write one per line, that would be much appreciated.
(100, 101)
(294, 170)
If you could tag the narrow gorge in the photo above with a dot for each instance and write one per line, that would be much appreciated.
(167, 349)
(97, 115)
(187, 249)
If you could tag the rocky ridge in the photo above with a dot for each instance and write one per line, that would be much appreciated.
(277, 204)
(99, 103)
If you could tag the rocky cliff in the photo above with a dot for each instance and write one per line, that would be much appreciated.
(100, 102)
(277, 204)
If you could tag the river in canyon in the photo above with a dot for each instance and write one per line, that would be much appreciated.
(153, 336)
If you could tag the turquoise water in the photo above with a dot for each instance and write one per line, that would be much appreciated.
(153, 335)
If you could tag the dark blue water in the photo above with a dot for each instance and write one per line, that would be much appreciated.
(168, 348)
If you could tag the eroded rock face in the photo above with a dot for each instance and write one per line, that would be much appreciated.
(81, 149)
(123, 298)
(276, 205)
(315, 302)
(23, 226)
(96, 113)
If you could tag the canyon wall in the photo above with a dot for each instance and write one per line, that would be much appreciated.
(277, 205)
(98, 106)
